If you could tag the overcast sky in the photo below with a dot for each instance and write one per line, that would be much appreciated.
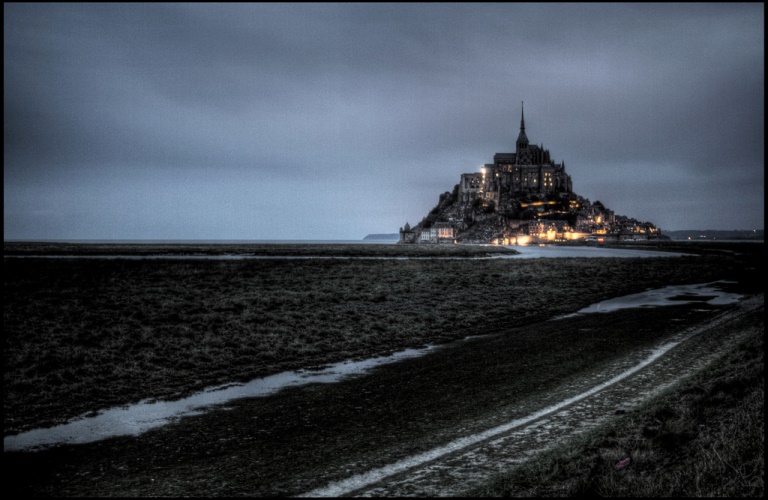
(332, 121)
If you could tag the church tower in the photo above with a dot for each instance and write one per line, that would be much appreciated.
(522, 139)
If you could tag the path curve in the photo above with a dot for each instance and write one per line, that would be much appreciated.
(581, 406)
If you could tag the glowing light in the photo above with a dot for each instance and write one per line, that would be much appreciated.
(550, 235)
(523, 240)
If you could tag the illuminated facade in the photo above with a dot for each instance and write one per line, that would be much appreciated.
(521, 197)
(529, 169)
(549, 230)
(441, 232)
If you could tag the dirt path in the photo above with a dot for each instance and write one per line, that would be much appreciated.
(448, 410)
(583, 404)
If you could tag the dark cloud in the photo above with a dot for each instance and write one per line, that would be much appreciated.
(254, 120)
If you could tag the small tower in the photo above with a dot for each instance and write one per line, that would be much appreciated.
(522, 139)
(406, 234)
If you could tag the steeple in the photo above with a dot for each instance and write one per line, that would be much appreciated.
(522, 139)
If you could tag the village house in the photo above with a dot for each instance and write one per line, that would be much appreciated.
(440, 232)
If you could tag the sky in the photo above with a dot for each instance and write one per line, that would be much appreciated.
(332, 121)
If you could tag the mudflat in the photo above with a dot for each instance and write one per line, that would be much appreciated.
(85, 335)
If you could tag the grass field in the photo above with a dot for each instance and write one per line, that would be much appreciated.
(702, 438)
(87, 334)
(261, 249)
(81, 335)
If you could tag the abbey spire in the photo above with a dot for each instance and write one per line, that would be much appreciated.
(522, 139)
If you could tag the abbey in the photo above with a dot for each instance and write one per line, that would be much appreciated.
(529, 169)
(520, 197)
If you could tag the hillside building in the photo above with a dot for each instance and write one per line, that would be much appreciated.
(529, 169)
(521, 196)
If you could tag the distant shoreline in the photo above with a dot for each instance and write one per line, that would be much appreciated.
(676, 235)
(383, 236)
(716, 234)
(198, 242)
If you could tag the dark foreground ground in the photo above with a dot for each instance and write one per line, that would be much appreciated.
(702, 438)
(262, 249)
(301, 438)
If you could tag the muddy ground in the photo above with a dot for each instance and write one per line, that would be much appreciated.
(82, 335)
(301, 438)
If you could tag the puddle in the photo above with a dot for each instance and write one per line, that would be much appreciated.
(701, 293)
(146, 415)
(554, 251)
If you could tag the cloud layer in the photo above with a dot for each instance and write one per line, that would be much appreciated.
(330, 121)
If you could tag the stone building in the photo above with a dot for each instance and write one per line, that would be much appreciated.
(529, 169)
(440, 232)
(548, 230)
(406, 234)
(521, 196)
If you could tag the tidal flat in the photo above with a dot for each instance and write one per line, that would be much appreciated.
(85, 335)
(251, 249)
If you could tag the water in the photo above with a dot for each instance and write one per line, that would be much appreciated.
(145, 415)
(342, 487)
(555, 251)
(661, 297)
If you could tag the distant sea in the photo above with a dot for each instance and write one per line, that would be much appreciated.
(214, 242)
